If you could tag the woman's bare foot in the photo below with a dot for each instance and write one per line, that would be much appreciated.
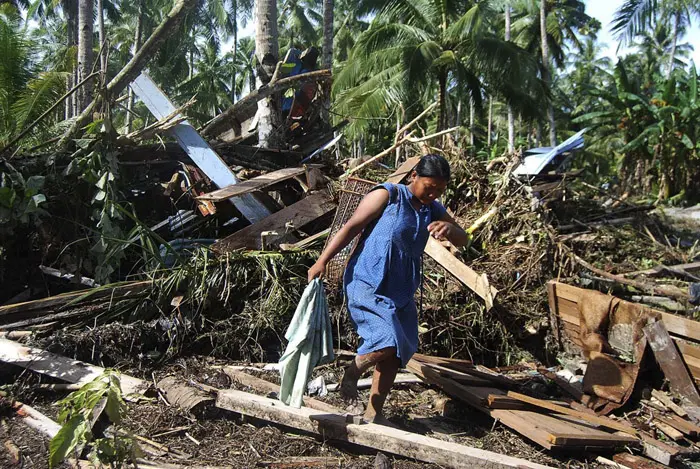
(348, 391)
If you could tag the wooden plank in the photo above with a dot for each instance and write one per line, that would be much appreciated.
(665, 400)
(305, 211)
(567, 387)
(454, 363)
(254, 184)
(682, 425)
(668, 430)
(196, 147)
(602, 421)
(57, 366)
(598, 441)
(532, 425)
(379, 437)
(676, 325)
(636, 462)
(404, 170)
(267, 387)
(671, 363)
(304, 243)
(478, 283)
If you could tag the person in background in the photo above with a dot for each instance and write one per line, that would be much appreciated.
(384, 273)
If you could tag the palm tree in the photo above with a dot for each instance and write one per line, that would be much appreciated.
(511, 116)
(209, 85)
(635, 16)
(244, 65)
(267, 53)
(25, 92)
(416, 47)
(300, 20)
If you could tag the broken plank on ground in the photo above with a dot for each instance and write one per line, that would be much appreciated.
(334, 426)
(58, 366)
(305, 211)
(253, 184)
(267, 387)
(540, 428)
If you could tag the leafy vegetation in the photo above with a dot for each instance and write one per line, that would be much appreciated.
(78, 412)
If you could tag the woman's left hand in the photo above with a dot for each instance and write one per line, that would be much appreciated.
(440, 230)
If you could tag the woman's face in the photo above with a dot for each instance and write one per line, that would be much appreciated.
(427, 189)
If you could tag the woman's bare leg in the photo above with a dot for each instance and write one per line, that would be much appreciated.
(362, 363)
(382, 381)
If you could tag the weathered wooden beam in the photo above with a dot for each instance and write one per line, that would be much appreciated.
(299, 214)
(671, 363)
(379, 437)
(64, 368)
(254, 184)
(267, 387)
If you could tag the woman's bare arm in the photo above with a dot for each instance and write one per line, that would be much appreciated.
(447, 228)
(370, 208)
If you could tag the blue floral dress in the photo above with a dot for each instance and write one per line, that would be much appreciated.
(384, 272)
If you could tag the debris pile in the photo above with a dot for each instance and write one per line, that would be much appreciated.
(209, 241)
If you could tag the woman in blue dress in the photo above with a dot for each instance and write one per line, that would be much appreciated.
(384, 273)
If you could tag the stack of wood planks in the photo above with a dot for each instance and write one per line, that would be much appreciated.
(551, 424)
(564, 306)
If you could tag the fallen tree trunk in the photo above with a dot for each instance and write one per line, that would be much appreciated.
(223, 121)
(137, 63)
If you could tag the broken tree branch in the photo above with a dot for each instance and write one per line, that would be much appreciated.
(137, 63)
(408, 138)
(669, 291)
(221, 123)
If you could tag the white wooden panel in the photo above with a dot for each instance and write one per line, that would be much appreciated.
(196, 147)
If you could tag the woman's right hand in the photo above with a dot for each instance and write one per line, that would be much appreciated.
(318, 270)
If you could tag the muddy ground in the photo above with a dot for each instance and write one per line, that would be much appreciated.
(216, 437)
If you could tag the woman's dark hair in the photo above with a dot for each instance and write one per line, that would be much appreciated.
(433, 166)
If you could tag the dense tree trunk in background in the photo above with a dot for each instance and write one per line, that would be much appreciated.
(511, 117)
(137, 46)
(101, 35)
(671, 62)
(267, 53)
(442, 100)
(471, 121)
(327, 61)
(70, 10)
(86, 21)
(234, 51)
(538, 134)
(546, 76)
(490, 123)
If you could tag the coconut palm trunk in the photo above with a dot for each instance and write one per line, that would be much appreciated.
(671, 60)
(86, 20)
(70, 9)
(101, 34)
(545, 71)
(511, 116)
(137, 46)
(328, 51)
(267, 52)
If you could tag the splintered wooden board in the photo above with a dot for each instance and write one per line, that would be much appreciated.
(251, 185)
(305, 211)
(548, 430)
